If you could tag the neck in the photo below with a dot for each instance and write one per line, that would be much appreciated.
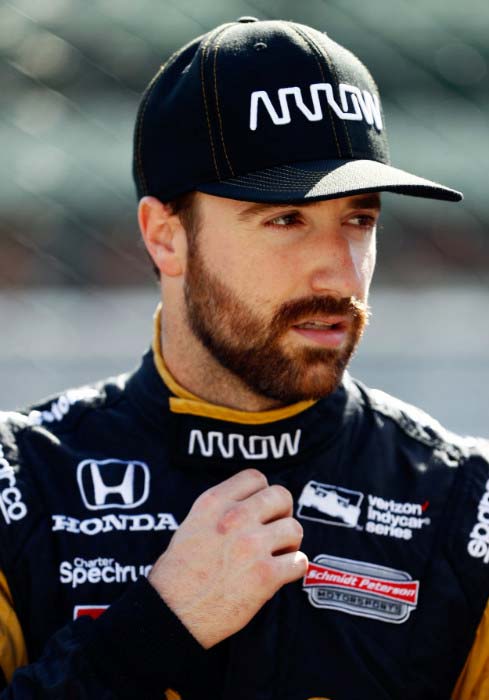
(200, 374)
(196, 370)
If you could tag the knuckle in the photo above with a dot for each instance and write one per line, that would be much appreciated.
(231, 518)
(296, 567)
(257, 476)
(297, 529)
(247, 544)
(302, 563)
(207, 500)
(264, 572)
(262, 498)
(284, 495)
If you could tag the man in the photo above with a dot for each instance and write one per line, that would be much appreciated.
(332, 541)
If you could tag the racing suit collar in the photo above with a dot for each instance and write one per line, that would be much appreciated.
(183, 401)
(216, 443)
(214, 437)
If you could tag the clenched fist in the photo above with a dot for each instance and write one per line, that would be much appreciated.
(237, 546)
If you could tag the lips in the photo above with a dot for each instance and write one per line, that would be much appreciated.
(329, 332)
(321, 324)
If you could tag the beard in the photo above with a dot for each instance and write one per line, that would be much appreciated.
(251, 346)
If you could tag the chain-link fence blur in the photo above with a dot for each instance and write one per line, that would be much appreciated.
(71, 75)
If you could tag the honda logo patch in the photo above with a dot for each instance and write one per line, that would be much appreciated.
(113, 483)
(361, 588)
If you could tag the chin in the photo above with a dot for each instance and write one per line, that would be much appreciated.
(322, 384)
(310, 384)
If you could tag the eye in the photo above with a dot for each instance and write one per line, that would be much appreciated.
(363, 221)
(285, 220)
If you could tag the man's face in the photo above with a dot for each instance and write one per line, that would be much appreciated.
(277, 293)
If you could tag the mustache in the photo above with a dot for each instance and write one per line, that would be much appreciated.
(295, 311)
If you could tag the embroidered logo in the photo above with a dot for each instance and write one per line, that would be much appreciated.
(92, 611)
(113, 483)
(361, 588)
(12, 506)
(351, 104)
(336, 505)
(142, 522)
(478, 546)
(236, 445)
(328, 504)
(395, 518)
(61, 406)
(100, 570)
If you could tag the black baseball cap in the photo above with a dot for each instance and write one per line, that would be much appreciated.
(266, 111)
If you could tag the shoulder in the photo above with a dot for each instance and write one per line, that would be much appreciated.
(63, 412)
(49, 423)
(396, 424)
(453, 468)
(36, 445)
(399, 420)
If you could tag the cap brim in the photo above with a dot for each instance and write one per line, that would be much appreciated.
(328, 179)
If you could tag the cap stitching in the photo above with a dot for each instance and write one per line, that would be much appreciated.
(279, 178)
(290, 177)
(263, 188)
(332, 68)
(271, 171)
(341, 188)
(217, 104)
(273, 182)
(274, 185)
(271, 186)
(204, 49)
(142, 111)
(139, 127)
(316, 51)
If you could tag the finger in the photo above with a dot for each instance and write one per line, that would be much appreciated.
(237, 488)
(268, 504)
(265, 506)
(283, 535)
(290, 567)
(243, 484)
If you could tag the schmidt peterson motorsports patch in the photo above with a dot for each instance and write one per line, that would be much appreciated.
(361, 588)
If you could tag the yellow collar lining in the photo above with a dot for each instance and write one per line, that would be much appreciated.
(186, 402)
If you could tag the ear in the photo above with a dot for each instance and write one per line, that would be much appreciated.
(163, 235)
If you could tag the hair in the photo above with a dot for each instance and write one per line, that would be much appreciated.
(185, 206)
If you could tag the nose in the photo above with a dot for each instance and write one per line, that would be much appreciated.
(342, 266)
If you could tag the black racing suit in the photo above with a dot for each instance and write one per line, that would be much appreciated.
(94, 483)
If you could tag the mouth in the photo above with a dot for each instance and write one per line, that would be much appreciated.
(330, 332)
(321, 325)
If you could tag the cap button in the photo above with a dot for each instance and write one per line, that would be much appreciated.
(248, 19)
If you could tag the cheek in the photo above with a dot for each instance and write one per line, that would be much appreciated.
(363, 256)
(277, 276)
(263, 278)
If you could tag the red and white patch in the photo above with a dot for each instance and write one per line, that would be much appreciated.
(92, 611)
(361, 588)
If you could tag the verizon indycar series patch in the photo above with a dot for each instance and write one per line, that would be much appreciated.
(336, 505)
(361, 588)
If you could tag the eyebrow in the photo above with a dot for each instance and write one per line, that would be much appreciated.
(367, 201)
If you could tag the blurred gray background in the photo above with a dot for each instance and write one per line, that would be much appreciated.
(76, 290)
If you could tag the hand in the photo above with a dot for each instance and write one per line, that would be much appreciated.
(237, 546)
